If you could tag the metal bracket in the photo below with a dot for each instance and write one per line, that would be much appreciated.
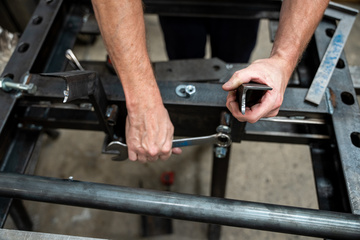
(87, 84)
(249, 94)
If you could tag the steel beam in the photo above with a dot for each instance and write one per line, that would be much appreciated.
(308, 222)
(220, 8)
(345, 117)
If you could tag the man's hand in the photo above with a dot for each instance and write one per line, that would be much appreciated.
(272, 72)
(149, 133)
(298, 21)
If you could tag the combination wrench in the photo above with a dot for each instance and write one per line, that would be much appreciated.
(220, 139)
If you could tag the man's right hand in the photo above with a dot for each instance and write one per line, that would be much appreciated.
(149, 132)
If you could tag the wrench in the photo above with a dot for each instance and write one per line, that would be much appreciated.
(220, 139)
(73, 59)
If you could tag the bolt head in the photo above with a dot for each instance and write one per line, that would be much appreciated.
(220, 152)
(223, 129)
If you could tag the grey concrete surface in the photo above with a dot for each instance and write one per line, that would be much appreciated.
(261, 172)
(6, 234)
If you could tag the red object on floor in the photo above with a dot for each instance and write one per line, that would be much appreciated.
(167, 178)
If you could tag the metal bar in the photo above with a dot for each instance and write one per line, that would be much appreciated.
(24, 56)
(355, 75)
(329, 179)
(292, 220)
(221, 9)
(219, 175)
(20, 216)
(345, 118)
(16, 160)
(208, 95)
(333, 51)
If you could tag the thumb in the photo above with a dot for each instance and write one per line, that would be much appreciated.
(237, 79)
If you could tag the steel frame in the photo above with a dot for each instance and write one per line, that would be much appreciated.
(331, 129)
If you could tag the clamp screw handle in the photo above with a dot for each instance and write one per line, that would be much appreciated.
(7, 85)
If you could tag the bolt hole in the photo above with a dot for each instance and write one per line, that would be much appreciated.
(340, 64)
(347, 98)
(23, 47)
(48, 1)
(355, 139)
(216, 67)
(169, 70)
(37, 20)
(330, 32)
(182, 90)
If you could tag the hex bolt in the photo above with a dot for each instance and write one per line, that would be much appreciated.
(7, 85)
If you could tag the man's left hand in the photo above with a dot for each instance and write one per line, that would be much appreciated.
(272, 72)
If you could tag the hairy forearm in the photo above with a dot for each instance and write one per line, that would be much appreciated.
(121, 24)
(298, 21)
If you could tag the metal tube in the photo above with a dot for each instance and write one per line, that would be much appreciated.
(229, 212)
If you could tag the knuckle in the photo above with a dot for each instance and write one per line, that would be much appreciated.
(166, 149)
(239, 117)
(274, 113)
(140, 151)
(228, 106)
(153, 151)
(279, 101)
(253, 119)
(278, 104)
(237, 74)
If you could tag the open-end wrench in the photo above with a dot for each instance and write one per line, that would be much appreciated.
(73, 59)
(220, 139)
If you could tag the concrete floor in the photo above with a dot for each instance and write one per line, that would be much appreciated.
(261, 172)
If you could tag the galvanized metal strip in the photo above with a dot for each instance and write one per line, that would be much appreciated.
(329, 61)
